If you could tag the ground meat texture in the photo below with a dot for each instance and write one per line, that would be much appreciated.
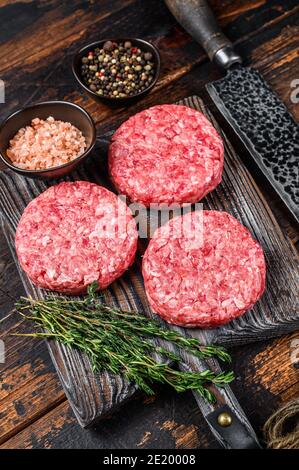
(73, 234)
(203, 270)
(166, 154)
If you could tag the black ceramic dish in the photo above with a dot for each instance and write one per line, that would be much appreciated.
(143, 45)
(60, 110)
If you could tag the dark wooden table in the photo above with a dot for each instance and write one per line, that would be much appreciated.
(37, 41)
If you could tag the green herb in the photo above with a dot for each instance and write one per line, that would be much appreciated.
(123, 342)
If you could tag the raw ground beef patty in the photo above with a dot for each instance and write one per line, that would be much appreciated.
(73, 234)
(166, 154)
(203, 269)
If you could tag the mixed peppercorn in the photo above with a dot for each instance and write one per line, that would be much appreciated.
(118, 70)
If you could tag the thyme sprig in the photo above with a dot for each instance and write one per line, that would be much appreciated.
(123, 342)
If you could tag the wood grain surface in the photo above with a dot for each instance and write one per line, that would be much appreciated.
(37, 41)
(93, 396)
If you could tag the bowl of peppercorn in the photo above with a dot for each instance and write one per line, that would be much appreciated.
(117, 70)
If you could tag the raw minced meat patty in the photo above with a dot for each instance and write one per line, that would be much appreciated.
(203, 269)
(166, 154)
(73, 234)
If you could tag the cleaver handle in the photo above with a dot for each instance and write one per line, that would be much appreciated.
(198, 20)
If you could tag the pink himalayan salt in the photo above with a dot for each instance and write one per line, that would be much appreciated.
(46, 144)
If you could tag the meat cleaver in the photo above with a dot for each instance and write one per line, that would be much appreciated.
(260, 119)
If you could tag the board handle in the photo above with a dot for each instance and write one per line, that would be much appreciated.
(198, 20)
(233, 431)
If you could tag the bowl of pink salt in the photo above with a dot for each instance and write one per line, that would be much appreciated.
(47, 140)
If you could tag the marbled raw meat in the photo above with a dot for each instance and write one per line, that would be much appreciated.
(203, 269)
(73, 234)
(166, 154)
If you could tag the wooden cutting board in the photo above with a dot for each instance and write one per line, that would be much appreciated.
(92, 396)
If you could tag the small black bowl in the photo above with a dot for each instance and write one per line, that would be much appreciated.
(60, 110)
(145, 46)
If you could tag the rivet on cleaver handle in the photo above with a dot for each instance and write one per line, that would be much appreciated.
(232, 431)
(236, 433)
(198, 20)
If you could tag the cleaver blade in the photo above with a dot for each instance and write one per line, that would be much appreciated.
(248, 104)
(264, 125)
